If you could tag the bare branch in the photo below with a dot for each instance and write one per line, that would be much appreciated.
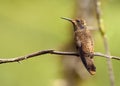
(42, 52)
(103, 34)
(106, 56)
(17, 59)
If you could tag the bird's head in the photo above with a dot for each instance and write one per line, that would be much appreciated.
(78, 24)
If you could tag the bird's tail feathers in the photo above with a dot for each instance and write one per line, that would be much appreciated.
(88, 63)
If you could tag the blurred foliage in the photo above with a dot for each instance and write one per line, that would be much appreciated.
(31, 25)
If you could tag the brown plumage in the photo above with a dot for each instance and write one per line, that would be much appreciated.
(84, 44)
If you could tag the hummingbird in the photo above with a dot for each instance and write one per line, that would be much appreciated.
(84, 44)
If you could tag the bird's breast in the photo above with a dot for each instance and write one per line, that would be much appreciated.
(84, 40)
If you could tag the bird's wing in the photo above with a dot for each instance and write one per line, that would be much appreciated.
(87, 61)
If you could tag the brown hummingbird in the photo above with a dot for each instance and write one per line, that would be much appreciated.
(84, 44)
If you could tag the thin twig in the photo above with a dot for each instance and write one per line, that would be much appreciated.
(106, 56)
(42, 52)
(103, 34)
(18, 59)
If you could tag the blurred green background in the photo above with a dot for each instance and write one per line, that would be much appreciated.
(27, 26)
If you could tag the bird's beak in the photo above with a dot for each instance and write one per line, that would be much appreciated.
(72, 21)
(67, 19)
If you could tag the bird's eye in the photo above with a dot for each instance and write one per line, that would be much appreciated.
(77, 20)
